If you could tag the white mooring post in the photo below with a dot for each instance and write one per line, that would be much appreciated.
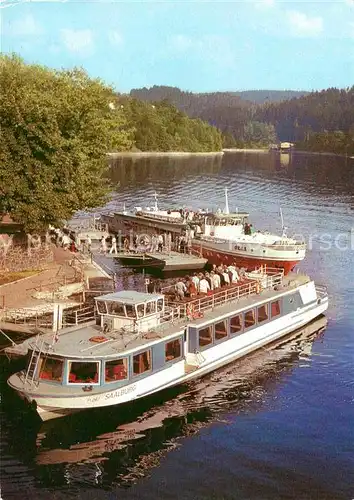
(57, 317)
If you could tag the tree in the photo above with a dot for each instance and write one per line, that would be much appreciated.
(56, 128)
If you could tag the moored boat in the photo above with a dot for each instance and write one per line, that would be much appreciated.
(221, 237)
(144, 344)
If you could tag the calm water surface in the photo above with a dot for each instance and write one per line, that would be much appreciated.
(279, 425)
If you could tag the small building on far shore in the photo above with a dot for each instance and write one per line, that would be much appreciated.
(286, 147)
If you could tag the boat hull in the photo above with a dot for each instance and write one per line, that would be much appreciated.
(50, 407)
(249, 262)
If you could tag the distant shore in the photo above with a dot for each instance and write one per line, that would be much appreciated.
(246, 150)
(143, 154)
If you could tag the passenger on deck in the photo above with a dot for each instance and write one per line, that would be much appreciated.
(210, 281)
(226, 276)
(154, 243)
(196, 280)
(180, 289)
(191, 288)
(220, 273)
(160, 243)
(234, 274)
(204, 286)
(216, 280)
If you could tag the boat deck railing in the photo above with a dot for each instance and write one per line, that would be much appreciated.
(193, 308)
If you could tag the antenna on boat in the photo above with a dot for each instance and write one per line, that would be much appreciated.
(155, 197)
(226, 211)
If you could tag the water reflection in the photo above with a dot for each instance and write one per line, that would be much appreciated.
(116, 446)
(125, 171)
(252, 178)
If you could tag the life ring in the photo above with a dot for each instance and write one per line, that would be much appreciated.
(98, 339)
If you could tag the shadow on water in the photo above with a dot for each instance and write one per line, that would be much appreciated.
(116, 446)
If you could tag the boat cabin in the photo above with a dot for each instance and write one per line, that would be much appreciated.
(225, 225)
(134, 311)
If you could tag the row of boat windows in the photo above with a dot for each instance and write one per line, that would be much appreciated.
(88, 372)
(129, 310)
(236, 324)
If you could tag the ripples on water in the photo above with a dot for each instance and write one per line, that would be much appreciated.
(277, 425)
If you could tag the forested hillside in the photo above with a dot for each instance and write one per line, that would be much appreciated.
(319, 121)
(193, 102)
(227, 111)
(327, 110)
(162, 127)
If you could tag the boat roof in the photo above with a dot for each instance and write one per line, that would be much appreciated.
(130, 297)
(82, 342)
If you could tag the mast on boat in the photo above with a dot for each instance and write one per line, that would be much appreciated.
(282, 223)
(227, 210)
(155, 206)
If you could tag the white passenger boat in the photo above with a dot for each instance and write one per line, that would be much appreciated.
(143, 345)
(221, 237)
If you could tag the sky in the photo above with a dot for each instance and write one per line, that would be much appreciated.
(199, 46)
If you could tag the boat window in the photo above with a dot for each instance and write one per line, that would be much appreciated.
(159, 305)
(205, 336)
(83, 372)
(140, 310)
(142, 362)
(235, 324)
(101, 307)
(249, 318)
(116, 308)
(116, 370)
(52, 369)
(130, 312)
(150, 307)
(263, 313)
(275, 308)
(173, 350)
(221, 330)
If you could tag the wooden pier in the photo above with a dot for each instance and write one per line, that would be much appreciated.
(166, 261)
(176, 261)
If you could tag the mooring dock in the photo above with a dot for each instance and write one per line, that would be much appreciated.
(176, 261)
(166, 261)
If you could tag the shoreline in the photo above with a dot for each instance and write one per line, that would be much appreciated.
(162, 153)
(294, 151)
(245, 150)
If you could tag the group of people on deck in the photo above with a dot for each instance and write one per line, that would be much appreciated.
(205, 283)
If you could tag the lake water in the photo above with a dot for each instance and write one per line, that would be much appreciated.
(278, 425)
